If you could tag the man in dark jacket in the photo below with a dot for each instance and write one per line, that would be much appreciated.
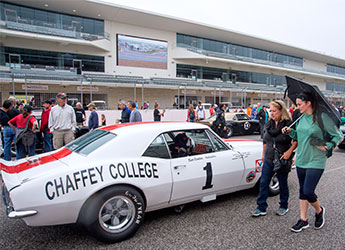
(219, 124)
(125, 114)
(263, 118)
(93, 118)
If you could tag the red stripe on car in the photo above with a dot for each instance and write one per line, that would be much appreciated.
(232, 140)
(34, 163)
(112, 127)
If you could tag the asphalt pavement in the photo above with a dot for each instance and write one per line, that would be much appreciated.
(222, 224)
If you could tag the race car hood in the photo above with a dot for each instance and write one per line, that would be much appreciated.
(242, 145)
(14, 173)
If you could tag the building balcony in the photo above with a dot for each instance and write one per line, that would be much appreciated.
(241, 60)
(39, 27)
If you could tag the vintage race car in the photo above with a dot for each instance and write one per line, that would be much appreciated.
(236, 123)
(107, 179)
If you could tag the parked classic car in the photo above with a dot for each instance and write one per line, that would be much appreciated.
(236, 123)
(109, 178)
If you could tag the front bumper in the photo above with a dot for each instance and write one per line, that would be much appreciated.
(21, 214)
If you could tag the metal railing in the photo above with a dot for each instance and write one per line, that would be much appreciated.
(254, 60)
(52, 30)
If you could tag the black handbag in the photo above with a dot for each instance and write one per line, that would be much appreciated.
(280, 165)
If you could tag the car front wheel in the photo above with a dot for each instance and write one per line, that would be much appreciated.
(229, 132)
(274, 186)
(115, 214)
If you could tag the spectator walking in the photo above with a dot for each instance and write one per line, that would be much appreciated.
(263, 118)
(104, 120)
(93, 118)
(212, 111)
(135, 113)
(253, 113)
(47, 136)
(191, 113)
(249, 110)
(157, 115)
(7, 132)
(18, 123)
(219, 125)
(79, 114)
(125, 113)
(200, 112)
(257, 111)
(62, 122)
(274, 137)
(311, 155)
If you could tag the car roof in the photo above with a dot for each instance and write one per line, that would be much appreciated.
(151, 127)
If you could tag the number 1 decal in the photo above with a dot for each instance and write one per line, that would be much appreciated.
(208, 169)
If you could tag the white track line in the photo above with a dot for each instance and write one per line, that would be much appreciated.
(334, 169)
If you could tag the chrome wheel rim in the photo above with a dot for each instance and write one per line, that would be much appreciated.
(229, 132)
(274, 184)
(116, 214)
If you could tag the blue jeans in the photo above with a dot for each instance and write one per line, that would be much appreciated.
(266, 176)
(9, 137)
(308, 179)
(21, 151)
(47, 142)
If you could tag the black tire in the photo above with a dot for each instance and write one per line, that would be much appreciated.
(341, 146)
(229, 132)
(274, 186)
(103, 210)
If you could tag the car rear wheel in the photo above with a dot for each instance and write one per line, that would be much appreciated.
(115, 214)
(274, 186)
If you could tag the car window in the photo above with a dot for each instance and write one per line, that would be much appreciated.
(242, 117)
(217, 143)
(188, 143)
(91, 141)
(157, 149)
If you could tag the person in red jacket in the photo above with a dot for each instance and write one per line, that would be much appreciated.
(47, 136)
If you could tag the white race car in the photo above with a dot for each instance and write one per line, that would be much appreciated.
(107, 179)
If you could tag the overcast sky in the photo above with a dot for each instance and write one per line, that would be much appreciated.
(317, 25)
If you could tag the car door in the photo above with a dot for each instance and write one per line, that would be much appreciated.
(200, 174)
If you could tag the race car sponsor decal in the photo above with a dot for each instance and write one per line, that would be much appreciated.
(251, 176)
(64, 184)
(246, 125)
(258, 165)
(133, 170)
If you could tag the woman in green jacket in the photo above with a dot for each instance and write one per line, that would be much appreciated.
(311, 156)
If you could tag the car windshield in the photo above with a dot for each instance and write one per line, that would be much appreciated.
(90, 141)
(241, 117)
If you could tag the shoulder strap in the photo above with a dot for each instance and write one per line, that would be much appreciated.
(27, 123)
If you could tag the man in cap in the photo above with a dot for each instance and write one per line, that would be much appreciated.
(62, 122)
(53, 101)
(47, 136)
(93, 118)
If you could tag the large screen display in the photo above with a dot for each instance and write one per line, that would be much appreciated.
(141, 52)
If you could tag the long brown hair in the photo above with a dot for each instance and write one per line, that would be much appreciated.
(310, 97)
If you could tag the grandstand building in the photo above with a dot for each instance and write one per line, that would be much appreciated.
(99, 51)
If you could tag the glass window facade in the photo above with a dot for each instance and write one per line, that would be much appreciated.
(42, 21)
(335, 87)
(335, 69)
(185, 71)
(236, 50)
(58, 60)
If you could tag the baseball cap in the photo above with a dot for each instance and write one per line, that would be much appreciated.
(48, 101)
(61, 95)
(52, 100)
